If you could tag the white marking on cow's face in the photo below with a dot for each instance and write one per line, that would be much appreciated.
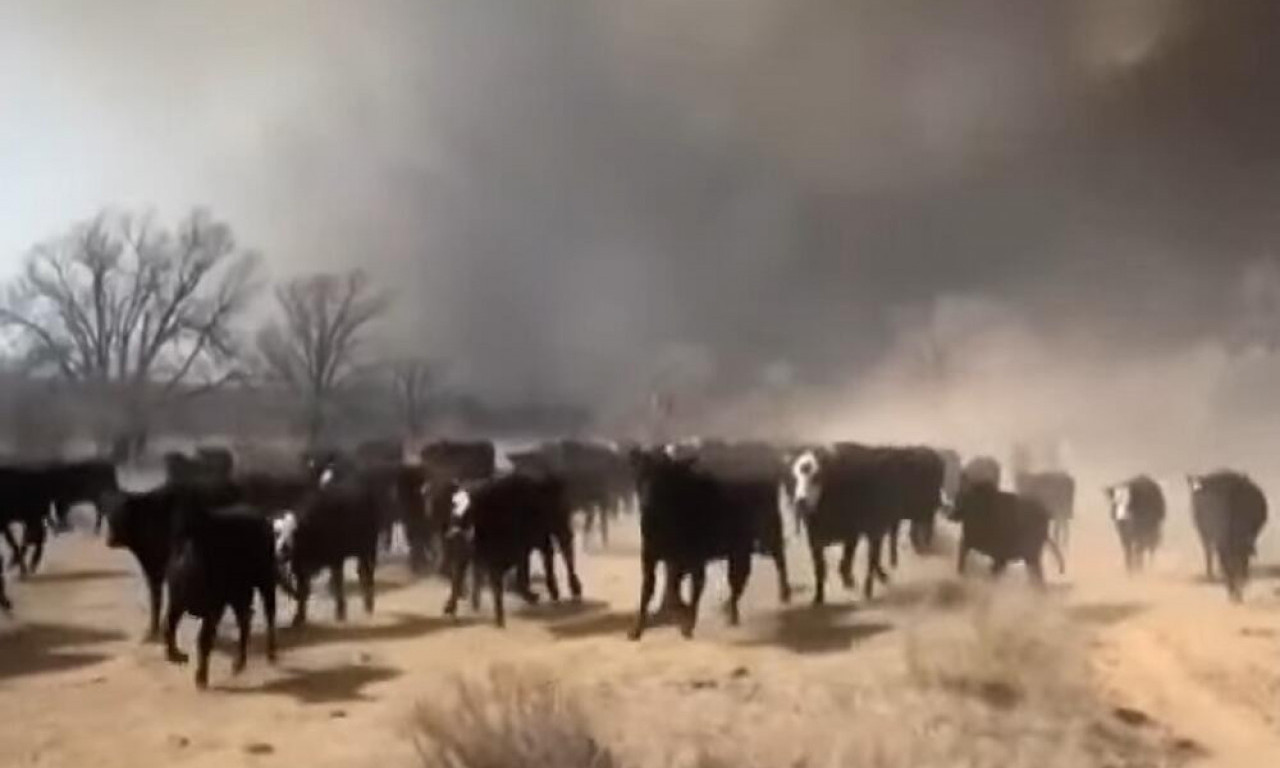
(1195, 483)
(461, 503)
(805, 471)
(285, 528)
(1120, 497)
(326, 477)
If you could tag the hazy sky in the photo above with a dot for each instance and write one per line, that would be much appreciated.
(565, 193)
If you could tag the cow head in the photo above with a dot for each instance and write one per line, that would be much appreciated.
(284, 530)
(806, 481)
(1118, 496)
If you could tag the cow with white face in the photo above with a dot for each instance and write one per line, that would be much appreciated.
(834, 495)
(1137, 510)
(806, 483)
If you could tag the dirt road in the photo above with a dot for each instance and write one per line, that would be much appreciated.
(78, 688)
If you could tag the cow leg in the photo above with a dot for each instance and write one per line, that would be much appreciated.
(876, 562)
(604, 526)
(648, 574)
(819, 556)
(564, 541)
(477, 585)
(739, 572)
(963, 552)
(997, 567)
(244, 615)
(5, 605)
(154, 597)
(784, 585)
(35, 530)
(172, 617)
(364, 570)
(304, 596)
(204, 645)
(549, 570)
(699, 574)
(1208, 562)
(846, 563)
(874, 546)
(522, 581)
(495, 584)
(337, 587)
(894, 530)
(18, 561)
(99, 516)
(672, 603)
(268, 594)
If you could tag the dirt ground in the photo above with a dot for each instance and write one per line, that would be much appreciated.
(78, 688)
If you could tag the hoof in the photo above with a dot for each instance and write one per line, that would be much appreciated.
(177, 657)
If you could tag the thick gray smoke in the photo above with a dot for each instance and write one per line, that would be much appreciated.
(761, 205)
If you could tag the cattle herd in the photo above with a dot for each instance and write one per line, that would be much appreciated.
(213, 536)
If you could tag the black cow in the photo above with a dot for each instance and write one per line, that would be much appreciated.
(493, 528)
(145, 524)
(25, 498)
(81, 482)
(336, 523)
(912, 483)
(687, 519)
(753, 474)
(1229, 511)
(1057, 492)
(1004, 526)
(1137, 509)
(221, 558)
(149, 525)
(843, 494)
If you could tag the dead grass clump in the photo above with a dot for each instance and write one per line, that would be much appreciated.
(1010, 646)
(512, 718)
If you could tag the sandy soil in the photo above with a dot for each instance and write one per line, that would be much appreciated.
(78, 688)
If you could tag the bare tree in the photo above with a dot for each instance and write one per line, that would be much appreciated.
(313, 348)
(413, 383)
(132, 313)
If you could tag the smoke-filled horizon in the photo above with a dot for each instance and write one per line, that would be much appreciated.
(765, 206)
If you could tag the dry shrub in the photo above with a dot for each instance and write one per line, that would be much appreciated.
(512, 718)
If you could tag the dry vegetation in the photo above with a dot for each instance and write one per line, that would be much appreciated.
(983, 678)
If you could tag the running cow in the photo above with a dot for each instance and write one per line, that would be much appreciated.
(494, 526)
(843, 494)
(1229, 511)
(1005, 527)
(689, 518)
(1137, 509)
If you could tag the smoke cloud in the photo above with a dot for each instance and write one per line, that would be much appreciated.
(906, 219)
